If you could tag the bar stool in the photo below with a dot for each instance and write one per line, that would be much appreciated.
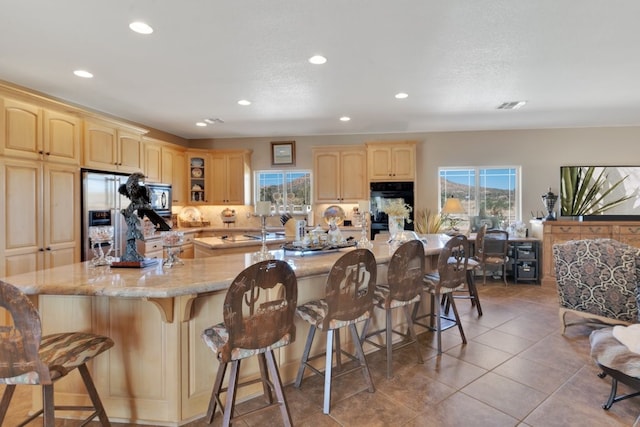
(258, 315)
(451, 275)
(28, 358)
(349, 300)
(403, 288)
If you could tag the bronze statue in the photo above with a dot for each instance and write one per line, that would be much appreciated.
(140, 206)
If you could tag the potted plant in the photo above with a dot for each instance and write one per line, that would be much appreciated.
(426, 222)
(582, 194)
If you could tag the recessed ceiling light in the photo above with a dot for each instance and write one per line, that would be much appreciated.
(401, 95)
(201, 124)
(83, 73)
(513, 105)
(244, 102)
(317, 59)
(141, 27)
(345, 118)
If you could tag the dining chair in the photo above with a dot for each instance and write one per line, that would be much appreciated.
(402, 289)
(28, 358)
(258, 313)
(495, 246)
(348, 300)
(450, 276)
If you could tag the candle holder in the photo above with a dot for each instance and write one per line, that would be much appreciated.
(263, 254)
(101, 237)
(172, 243)
(364, 242)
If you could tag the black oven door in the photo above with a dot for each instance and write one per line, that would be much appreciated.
(383, 193)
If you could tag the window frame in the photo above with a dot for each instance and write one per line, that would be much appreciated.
(284, 172)
(514, 171)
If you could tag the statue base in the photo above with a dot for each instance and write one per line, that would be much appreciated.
(148, 262)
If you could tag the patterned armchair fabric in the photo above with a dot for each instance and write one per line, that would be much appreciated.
(598, 279)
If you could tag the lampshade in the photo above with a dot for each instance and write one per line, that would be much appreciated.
(452, 206)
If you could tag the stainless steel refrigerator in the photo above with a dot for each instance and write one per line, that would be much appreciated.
(101, 204)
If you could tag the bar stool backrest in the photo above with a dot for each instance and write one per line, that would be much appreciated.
(452, 262)
(20, 342)
(350, 287)
(259, 307)
(406, 270)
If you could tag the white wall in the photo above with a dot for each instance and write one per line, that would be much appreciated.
(539, 152)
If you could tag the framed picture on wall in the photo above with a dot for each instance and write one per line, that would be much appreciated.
(283, 153)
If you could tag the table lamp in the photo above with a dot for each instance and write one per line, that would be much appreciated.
(452, 206)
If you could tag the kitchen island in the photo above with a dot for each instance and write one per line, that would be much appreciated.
(160, 372)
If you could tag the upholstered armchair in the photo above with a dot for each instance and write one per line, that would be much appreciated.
(598, 280)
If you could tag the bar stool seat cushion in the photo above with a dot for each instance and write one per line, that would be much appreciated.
(62, 353)
(217, 336)
(431, 280)
(315, 312)
(607, 351)
(381, 295)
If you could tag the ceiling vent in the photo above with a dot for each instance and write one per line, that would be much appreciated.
(213, 121)
(513, 105)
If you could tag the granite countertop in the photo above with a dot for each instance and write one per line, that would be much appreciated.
(194, 277)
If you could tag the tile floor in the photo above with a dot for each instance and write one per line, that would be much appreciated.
(516, 370)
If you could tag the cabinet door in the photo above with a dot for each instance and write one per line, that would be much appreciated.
(353, 176)
(61, 138)
(403, 166)
(22, 132)
(130, 152)
(152, 161)
(327, 170)
(61, 215)
(235, 177)
(100, 146)
(174, 172)
(379, 162)
(218, 193)
(21, 222)
(198, 182)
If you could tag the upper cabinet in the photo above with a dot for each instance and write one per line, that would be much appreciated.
(31, 132)
(109, 146)
(231, 173)
(391, 161)
(152, 159)
(174, 172)
(340, 174)
(199, 177)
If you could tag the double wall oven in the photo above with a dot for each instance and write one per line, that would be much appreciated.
(383, 193)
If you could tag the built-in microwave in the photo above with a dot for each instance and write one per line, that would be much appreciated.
(160, 195)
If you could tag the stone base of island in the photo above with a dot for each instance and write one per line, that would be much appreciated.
(160, 372)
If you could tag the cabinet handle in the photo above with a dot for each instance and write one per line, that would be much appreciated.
(40, 152)
(48, 248)
(47, 153)
(41, 250)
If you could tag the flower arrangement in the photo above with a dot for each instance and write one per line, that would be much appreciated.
(398, 208)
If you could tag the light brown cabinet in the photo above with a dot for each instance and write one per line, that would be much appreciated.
(40, 226)
(174, 172)
(109, 146)
(152, 160)
(32, 132)
(562, 231)
(231, 174)
(391, 161)
(199, 181)
(340, 174)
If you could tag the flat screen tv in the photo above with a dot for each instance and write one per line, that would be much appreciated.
(600, 192)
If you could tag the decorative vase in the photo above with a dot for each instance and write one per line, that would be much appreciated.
(396, 225)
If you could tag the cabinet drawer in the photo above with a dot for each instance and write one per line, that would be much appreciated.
(564, 229)
(629, 230)
(152, 246)
(596, 230)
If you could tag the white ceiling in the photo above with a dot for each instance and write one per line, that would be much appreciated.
(577, 62)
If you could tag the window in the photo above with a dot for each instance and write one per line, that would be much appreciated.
(489, 195)
(283, 188)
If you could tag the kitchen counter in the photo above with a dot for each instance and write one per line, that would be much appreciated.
(160, 372)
